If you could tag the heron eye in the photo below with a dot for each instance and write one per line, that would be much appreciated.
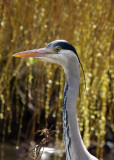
(58, 49)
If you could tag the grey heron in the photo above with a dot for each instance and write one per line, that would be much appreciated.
(63, 53)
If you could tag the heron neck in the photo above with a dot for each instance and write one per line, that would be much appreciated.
(74, 146)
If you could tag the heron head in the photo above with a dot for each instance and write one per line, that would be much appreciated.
(59, 51)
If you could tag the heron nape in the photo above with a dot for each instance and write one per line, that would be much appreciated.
(63, 53)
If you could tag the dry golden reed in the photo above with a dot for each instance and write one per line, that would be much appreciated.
(27, 83)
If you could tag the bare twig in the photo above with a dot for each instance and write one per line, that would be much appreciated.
(48, 137)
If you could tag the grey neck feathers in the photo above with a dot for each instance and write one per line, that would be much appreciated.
(74, 147)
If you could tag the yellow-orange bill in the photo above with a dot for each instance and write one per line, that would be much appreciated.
(33, 53)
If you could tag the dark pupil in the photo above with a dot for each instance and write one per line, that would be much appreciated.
(58, 49)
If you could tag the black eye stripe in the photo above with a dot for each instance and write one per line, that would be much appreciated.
(62, 44)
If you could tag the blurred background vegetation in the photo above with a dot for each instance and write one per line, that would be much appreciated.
(31, 91)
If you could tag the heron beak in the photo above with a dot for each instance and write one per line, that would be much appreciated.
(43, 52)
